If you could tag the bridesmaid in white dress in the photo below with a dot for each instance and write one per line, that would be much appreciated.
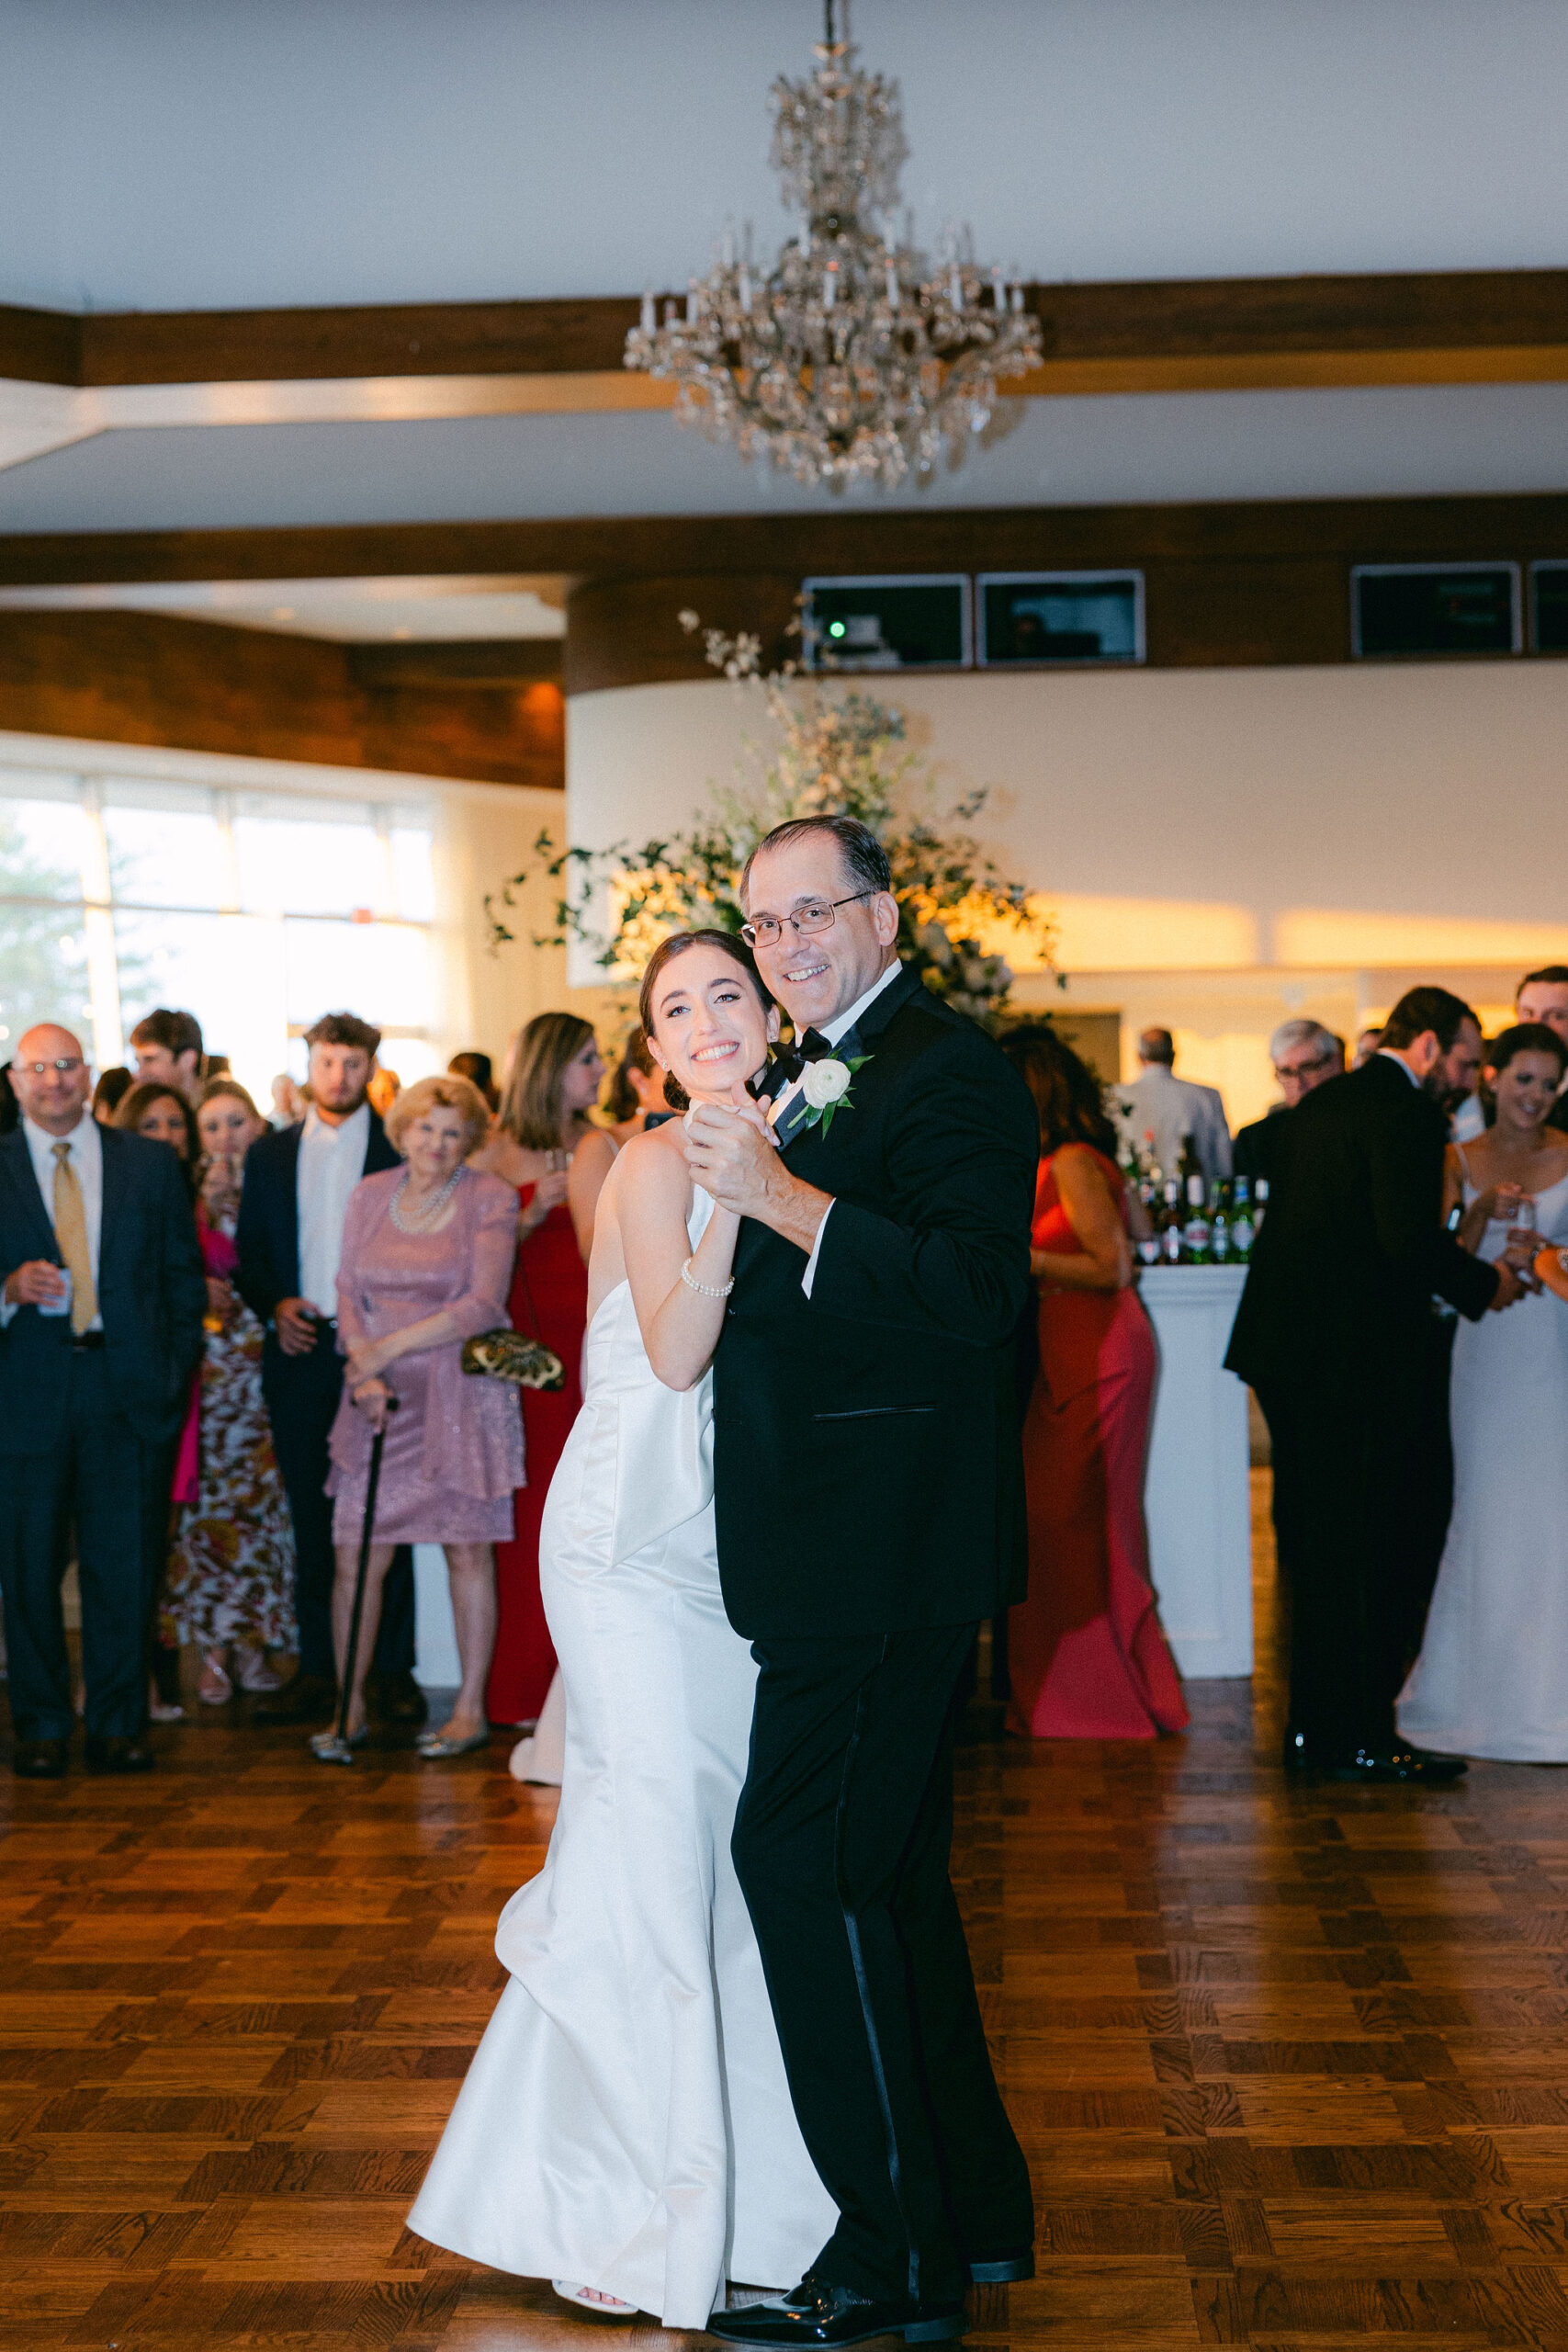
(1492, 1679)
(626, 2128)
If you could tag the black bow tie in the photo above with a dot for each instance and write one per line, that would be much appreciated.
(788, 1063)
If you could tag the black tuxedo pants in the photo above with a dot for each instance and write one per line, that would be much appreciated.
(302, 1394)
(842, 1844)
(104, 1477)
(1348, 1466)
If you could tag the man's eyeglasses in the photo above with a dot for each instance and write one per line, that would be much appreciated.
(816, 914)
(65, 1065)
(1285, 1072)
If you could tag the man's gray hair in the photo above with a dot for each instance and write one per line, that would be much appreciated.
(1292, 1034)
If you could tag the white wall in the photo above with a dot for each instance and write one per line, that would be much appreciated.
(174, 153)
(1221, 847)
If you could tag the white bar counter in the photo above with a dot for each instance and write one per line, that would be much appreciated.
(1197, 1494)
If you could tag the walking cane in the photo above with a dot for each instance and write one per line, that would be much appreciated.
(337, 1749)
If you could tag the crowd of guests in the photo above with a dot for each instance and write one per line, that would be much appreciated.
(1420, 1480)
(251, 1301)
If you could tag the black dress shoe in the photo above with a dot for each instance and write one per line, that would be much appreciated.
(304, 1698)
(817, 2313)
(1379, 1766)
(39, 1759)
(396, 1699)
(113, 1752)
(1001, 2269)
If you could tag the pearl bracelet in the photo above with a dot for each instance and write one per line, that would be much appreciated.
(705, 1290)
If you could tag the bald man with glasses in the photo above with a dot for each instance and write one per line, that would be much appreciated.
(102, 1296)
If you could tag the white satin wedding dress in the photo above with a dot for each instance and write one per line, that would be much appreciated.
(625, 2123)
(1492, 1679)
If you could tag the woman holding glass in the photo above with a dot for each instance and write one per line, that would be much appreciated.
(1492, 1679)
(544, 1146)
(426, 1263)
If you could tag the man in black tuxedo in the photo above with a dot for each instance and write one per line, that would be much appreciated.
(289, 1236)
(870, 1512)
(1334, 1333)
(95, 1380)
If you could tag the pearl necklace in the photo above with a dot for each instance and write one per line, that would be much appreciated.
(424, 1219)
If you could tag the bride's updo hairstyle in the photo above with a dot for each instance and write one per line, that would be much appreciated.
(728, 942)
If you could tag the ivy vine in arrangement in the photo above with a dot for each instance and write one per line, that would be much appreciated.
(835, 752)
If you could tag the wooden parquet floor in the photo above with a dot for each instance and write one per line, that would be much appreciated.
(1290, 2065)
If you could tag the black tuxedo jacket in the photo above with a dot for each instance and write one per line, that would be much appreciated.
(152, 1294)
(867, 1470)
(267, 1234)
(1255, 1150)
(1353, 1247)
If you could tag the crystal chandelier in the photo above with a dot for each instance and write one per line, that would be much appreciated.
(855, 358)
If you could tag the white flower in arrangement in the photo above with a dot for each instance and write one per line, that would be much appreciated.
(823, 1083)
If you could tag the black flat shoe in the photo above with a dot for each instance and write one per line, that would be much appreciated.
(114, 1753)
(818, 2314)
(39, 1759)
(396, 1699)
(304, 1698)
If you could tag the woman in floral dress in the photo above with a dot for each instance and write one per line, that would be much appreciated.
(231, 1576)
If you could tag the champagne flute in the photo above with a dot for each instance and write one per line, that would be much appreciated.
(1522, 1238)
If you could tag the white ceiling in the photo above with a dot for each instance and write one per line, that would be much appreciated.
(1108, 450)
(166, 154)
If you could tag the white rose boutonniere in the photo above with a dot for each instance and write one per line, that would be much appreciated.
(826, 1086)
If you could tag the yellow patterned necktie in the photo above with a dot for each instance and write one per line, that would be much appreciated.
(71, 1232)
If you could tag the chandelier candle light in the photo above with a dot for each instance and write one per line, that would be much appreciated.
(855, 358)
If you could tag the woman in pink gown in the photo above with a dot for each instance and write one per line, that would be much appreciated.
(1086, 1655)
(426, 1263)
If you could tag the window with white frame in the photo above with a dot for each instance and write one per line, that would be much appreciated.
(255, 910)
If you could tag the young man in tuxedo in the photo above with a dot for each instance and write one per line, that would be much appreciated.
(95, 1380)
(1334, 1333)
(866, 1373)
(289, 1237)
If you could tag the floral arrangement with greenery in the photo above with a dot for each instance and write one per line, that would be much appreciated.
(836, 752)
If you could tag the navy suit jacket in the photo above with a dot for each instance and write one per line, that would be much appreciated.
(152, 1294)
(268, 1236)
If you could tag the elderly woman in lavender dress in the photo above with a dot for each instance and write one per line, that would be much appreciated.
(428, 1252)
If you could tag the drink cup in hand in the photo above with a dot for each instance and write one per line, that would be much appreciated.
(60, 1305)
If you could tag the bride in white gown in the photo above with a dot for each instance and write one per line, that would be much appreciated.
(624, 2129)
(1492, 1679)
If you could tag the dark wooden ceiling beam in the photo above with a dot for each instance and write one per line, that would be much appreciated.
(857, 539)
(485, 662)
(1161, 322)
(151, 678)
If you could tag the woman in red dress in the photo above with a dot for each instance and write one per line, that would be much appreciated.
(1085, 1654)
(544, 1143)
